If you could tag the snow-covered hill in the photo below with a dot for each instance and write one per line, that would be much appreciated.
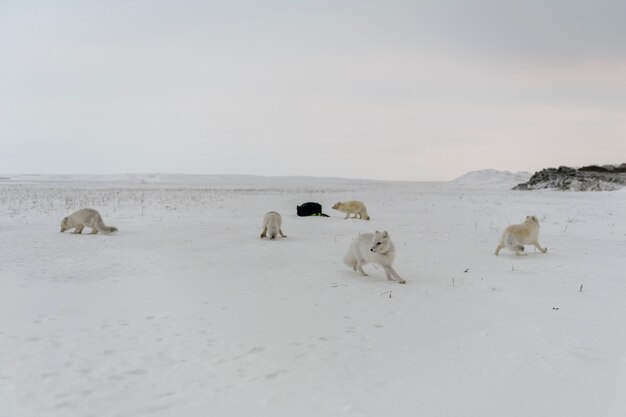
(491, 178)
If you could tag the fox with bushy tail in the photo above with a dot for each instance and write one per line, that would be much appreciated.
(516, 236)
(86, 218)
(373, 248)
(272, 222)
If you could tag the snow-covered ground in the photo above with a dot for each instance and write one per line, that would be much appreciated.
(186, 312)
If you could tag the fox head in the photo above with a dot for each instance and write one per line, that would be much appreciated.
(64, 224)
(337, 205)
(380, 242)
(532, 220)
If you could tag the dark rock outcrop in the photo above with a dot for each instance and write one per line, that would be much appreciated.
(589, 178)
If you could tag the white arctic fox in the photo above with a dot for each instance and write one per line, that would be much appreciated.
(85, 217)
(271, 225)
(373, 248)
(352, 207)
(517, 235)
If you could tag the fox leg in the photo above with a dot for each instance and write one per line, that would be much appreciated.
(388, 274)
(347, 216)
(264, 233)
(354, 261)
(94, 230)
(392, 274)
(359, 267)
(281, 233)
(498, 250)
(78, 229)
(538, 246)
(519, 250)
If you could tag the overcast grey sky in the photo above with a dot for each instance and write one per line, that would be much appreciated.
(410, 90)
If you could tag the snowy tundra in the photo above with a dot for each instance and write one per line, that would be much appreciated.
(186, 312)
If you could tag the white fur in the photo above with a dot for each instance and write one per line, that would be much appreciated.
(272, 225)
(86, 218)
(357, 208)
(375, 248)
(516, 236)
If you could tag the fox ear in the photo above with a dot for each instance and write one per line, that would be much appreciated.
(385, 234)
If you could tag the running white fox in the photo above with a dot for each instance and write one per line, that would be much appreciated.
(516, 236)
(86, 217)
(272, 225)
(352, 207)
(373, 248)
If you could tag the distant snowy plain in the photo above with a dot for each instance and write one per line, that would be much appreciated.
(187, 312)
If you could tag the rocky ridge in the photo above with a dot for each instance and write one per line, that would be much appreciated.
(589, 178)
